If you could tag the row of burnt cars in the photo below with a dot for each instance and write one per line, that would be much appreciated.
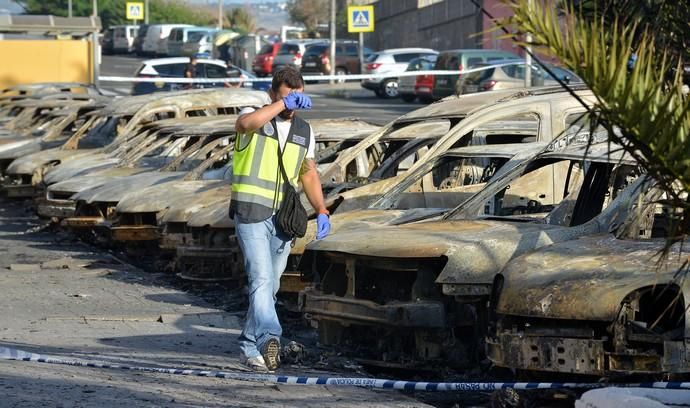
(500, 225)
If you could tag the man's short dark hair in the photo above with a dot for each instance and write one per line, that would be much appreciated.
(289, 76)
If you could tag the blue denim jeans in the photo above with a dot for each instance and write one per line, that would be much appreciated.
(265, 252)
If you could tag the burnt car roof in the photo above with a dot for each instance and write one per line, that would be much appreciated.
(462, 105)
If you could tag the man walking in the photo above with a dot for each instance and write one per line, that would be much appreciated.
(257, 185)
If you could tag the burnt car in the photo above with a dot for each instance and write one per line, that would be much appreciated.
(117, 123)
(159, 145)
(205, 166)
(51, 126)
(418, 291)
(605, 305)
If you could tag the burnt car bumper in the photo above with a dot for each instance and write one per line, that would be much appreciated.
(583, 356)
(417, 314)
(134, 233)
(55, 208)
(22, 191)
(84, 222)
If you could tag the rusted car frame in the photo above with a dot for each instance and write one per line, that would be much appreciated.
(601, 305)
(158, 146)
(119, 121)
(428, 282)
(95, 208)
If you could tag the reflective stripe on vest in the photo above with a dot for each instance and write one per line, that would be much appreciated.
(256, 180)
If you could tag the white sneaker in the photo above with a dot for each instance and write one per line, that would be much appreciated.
(256, 364)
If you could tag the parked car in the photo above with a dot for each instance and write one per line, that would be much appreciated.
(390, 62)
(316, 59)
(139, 39)
(291, 52)
(107, 41)
(510, 76)
(174, 68)
(199, 43)
(178, 37)
(123, 38)
(263, 62)
(457, 60)
(155, 34)
(411, 87)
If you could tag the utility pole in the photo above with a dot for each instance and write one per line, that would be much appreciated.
(146, 11)
(220, 14)
(69, 8)
(332, 52)
(528, 55)
(96, 54)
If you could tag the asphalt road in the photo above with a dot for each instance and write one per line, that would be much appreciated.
(330, 101)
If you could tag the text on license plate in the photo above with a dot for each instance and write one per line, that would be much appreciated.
(310, 64)
(442, 81)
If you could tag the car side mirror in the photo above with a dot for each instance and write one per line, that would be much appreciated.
(566, 79)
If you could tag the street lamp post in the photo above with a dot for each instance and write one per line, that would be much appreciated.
(69, 8)
(220, 14)
(146, 11)
(332, 51)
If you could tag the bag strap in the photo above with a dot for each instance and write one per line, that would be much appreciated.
(280, 153)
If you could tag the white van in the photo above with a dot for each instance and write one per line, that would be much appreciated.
(156, 33)
(179, 35)
(123, 38)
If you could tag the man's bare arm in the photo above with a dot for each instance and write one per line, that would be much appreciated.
(312, 185)
(258, 118)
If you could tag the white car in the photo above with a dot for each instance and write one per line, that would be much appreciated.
(205, 68)
(156, 33)
(390, 62)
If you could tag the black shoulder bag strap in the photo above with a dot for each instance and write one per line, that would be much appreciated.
(291, 216)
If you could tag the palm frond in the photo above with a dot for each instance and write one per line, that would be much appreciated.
(648, 109)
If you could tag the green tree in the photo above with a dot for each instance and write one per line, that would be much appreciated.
(596, 40)
(241, 20)
(310, 13)
(112, 12)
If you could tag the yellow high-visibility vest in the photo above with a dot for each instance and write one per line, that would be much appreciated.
(257, 183)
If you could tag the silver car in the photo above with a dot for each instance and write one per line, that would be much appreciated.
(291, 52)
(390, 62)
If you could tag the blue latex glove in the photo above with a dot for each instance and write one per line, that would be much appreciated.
(297, 100)
(323, 226)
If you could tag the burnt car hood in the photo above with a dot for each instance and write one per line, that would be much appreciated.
(476, 250)
(184, 211)
(113, 191)
(82, 183)
(28, 164)
(161, 196)
(26, 147)
(78, 167)
(586, 278)
(215, 216)
(363, 219)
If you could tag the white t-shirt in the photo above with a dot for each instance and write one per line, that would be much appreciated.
(283, 130)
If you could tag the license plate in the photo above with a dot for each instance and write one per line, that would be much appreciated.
(471, 88)
(442, 81)
(310, 64)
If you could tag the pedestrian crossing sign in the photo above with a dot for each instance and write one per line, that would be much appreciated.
(360, 19)
(135, 10)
